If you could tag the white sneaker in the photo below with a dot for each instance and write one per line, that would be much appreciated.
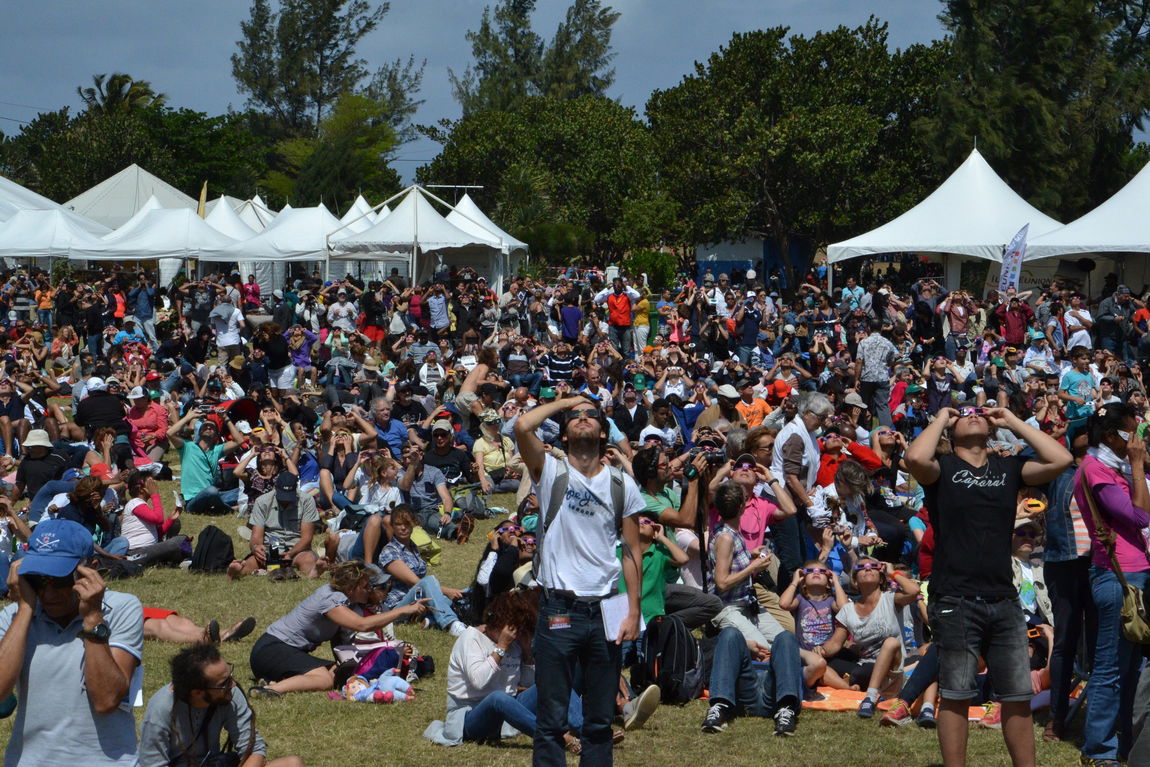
(179, 500)
(645, 705)
(457, 628)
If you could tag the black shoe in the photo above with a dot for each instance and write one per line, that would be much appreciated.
(786, 721)
(267, 693)
(214, 631)
(717, 718)
(343, 672)
(245, 627)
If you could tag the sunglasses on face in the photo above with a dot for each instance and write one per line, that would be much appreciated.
(816, 571)
(40, 582)
(868, 566)
(589, 413)
(527, 541)
(1026, 533)
(228, 684)
(965, 412)
(745, 465)
(509, 529)
(646, 521)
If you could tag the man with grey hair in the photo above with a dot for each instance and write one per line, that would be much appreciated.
(796, 460)
(228, 322)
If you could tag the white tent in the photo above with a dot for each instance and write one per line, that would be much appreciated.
(415, 228)
(255, 213)
(115, 200)
(224, 219)
(468, 217)
(232, 202)
(973, 213)
(1119, 225)
(298, 234)
(155, 233)
(43, 234)
(359, 216)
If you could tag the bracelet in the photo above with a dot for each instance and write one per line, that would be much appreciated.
(772, 481)
(897, 573)
(499, 651)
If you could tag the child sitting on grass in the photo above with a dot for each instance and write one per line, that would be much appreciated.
(815, 596)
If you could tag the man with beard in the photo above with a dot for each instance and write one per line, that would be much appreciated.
(200, 463)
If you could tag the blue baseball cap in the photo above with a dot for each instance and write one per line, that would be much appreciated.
(56, 547)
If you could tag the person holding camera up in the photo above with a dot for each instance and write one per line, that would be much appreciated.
(200, 462)
(185, 719)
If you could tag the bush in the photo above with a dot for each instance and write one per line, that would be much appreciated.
(658, 266)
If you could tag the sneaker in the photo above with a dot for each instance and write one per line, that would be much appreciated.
(717, 718)
(897, 715)
(457, 628)
(642, 707)
(992, 719)
(926, 720)
(786, 722)
(179, 504)
(866, 708)
(1100, 762)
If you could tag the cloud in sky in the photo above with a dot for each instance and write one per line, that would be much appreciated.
(184, 49)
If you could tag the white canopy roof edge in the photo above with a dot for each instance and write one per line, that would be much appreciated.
(468, 217)
(1118, 225)
(359, 217)
(14, 197)
(116, 199)
(972, 213)
(39, 233)
(298, 234)
(155, 233)
(224, 219)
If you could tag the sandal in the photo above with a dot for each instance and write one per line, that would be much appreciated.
(262, 691)
(571, 744)
(213, 631)
(240, 630)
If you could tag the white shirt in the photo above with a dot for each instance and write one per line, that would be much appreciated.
(228, 333)
(578, 552)
(138, 532)
(1079, 335)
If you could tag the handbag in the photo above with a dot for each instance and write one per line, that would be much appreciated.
(1135, 626)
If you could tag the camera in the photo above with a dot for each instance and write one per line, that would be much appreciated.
(714, 457)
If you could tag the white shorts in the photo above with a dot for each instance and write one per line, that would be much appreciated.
(284, 378)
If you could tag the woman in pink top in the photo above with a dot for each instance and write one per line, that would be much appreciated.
(1114, 474)
(149, 422)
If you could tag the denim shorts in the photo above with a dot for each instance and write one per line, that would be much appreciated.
(966, 628)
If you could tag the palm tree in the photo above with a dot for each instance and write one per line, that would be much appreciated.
(119, 92)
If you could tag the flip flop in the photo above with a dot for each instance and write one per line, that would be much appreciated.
(242, 629)
(214, 631)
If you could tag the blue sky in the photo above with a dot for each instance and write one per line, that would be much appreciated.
(50, 48)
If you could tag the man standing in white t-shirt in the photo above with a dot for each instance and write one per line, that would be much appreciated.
(578, 569)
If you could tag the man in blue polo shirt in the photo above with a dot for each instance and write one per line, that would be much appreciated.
(389, 432)
(71, 651)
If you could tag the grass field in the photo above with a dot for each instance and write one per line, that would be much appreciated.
(326, 732)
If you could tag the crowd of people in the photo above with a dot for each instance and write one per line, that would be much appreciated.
(925, 495)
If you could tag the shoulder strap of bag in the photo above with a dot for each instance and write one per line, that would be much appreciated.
(1104, 532)
(618, 497)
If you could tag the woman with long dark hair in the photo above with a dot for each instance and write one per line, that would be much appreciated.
(1112, 496)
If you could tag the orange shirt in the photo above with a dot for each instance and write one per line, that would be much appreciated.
(753, 412)
(44, 299)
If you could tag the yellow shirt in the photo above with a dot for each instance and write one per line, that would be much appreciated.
(493, 457)
(642, 312)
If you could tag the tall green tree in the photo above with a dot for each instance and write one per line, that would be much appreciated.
(347, 158)
(119, 92)
(512, 63)
(294, 63)
(558, 169)
(780, 137)
(1051, 92)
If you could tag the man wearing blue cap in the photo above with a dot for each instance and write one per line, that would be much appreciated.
(71, 651)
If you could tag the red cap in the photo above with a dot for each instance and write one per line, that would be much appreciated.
(152, 376)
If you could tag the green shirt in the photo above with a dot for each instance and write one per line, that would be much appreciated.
(198, 469)
(667, 498)
(656, 564)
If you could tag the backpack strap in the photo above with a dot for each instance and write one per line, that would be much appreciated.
(559, 489)
(618, 497)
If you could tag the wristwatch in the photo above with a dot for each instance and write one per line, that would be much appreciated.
(499, 651)
(98, 633)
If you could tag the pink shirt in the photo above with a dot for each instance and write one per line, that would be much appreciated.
(1112, 495)
(755, 522)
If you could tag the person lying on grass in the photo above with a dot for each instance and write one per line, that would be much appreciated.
(282, 656)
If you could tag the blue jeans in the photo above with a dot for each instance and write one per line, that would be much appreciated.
(530, 380)
(117, 547)
(485, 721)
(734, 679)
(576, 641)
(744, 353)
(620, 337)
(442, 614)
(1110, 692)
(211, 501)
(94, 344)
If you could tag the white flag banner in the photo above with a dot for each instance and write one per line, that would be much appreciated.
(1012, 261)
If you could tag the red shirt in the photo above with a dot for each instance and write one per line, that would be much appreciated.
(829, 462)
(619, 310)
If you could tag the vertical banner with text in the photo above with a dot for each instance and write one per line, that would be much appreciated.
(1012, 260)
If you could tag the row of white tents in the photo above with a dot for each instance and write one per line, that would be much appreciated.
(135, 216)
(974, 213)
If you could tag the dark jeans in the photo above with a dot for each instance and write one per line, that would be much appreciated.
(1068, 584)
(966, 628)
(690, 605)
(734, 679)
(876, 394)
(530, 380)
(925, 673)
(576, 640)
(485, 721)
(787, 538)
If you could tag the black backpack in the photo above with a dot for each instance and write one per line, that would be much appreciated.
(213, 552)
(672, 659)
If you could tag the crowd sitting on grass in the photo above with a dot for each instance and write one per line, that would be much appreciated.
(890, 496)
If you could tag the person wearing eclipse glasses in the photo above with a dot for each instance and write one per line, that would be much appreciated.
(974, 607)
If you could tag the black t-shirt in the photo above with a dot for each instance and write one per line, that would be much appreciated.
(34, 473)
(454, 464)
(276, 348)
(972, 513)
(410, 414)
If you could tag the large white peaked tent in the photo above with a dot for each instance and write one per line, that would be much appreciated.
(298, 234)
(413, 229)
(973, 213)
(43, 234)
(224, 219)
(1119, 225)
(359, 216)
(156, 233)
(115, 200)
(468, 217)
(255, 213)
(14, 198)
